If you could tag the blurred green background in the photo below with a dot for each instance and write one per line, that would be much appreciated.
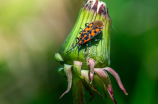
(31, 31)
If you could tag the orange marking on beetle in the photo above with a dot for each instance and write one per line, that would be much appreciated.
(90, 24)
(87, 29)
(84, 32)
(80, 37)
(97, 30)
(87, 40)
(80, 42)
(92, 34)
(85, 36)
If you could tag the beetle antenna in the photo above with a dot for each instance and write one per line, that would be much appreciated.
(114, 28)
(72, 48)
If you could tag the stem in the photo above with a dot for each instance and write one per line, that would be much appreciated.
(77, 90)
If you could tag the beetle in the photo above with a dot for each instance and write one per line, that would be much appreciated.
(91, 30)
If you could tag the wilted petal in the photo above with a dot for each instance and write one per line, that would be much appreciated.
(93, 86)
(95, 5)
(91, 64)
(77, 68)
(86, 80)
(103, 75)
(68, 73)
(101, 84)
(102, 8)
(117, 78)
(112, 98)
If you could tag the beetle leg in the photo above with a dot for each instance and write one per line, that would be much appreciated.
(77, 39)
(86, 47)
(81, 30)
(86, 24)
(79, 50)
(90, 43)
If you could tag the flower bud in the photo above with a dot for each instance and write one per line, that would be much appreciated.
(85, 58)
(97, 50)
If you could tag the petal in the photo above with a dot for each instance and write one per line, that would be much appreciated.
(117, 78)
(68, 72)
(93, 88)
(95, 91)
(91, 64)
(103, 75)
(112, 98)
(77, 68)
(101, 84)
(85, 80)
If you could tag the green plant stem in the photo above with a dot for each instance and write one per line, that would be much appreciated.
(77, 90)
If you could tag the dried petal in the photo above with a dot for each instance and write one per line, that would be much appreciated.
(112, 98)
(95, 91)
(91, 64)
(93, 88)
(103, 75)
(117, 78)
(86, 80)
(68, 72)
(77, 68)
(101, 84)
(101, 8)
(94, 7)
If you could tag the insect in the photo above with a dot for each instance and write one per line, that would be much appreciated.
(91, 30)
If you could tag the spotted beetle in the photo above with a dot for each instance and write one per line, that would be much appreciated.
(91, 30)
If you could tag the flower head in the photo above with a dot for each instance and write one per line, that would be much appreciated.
(98, 50)
(86, 60)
